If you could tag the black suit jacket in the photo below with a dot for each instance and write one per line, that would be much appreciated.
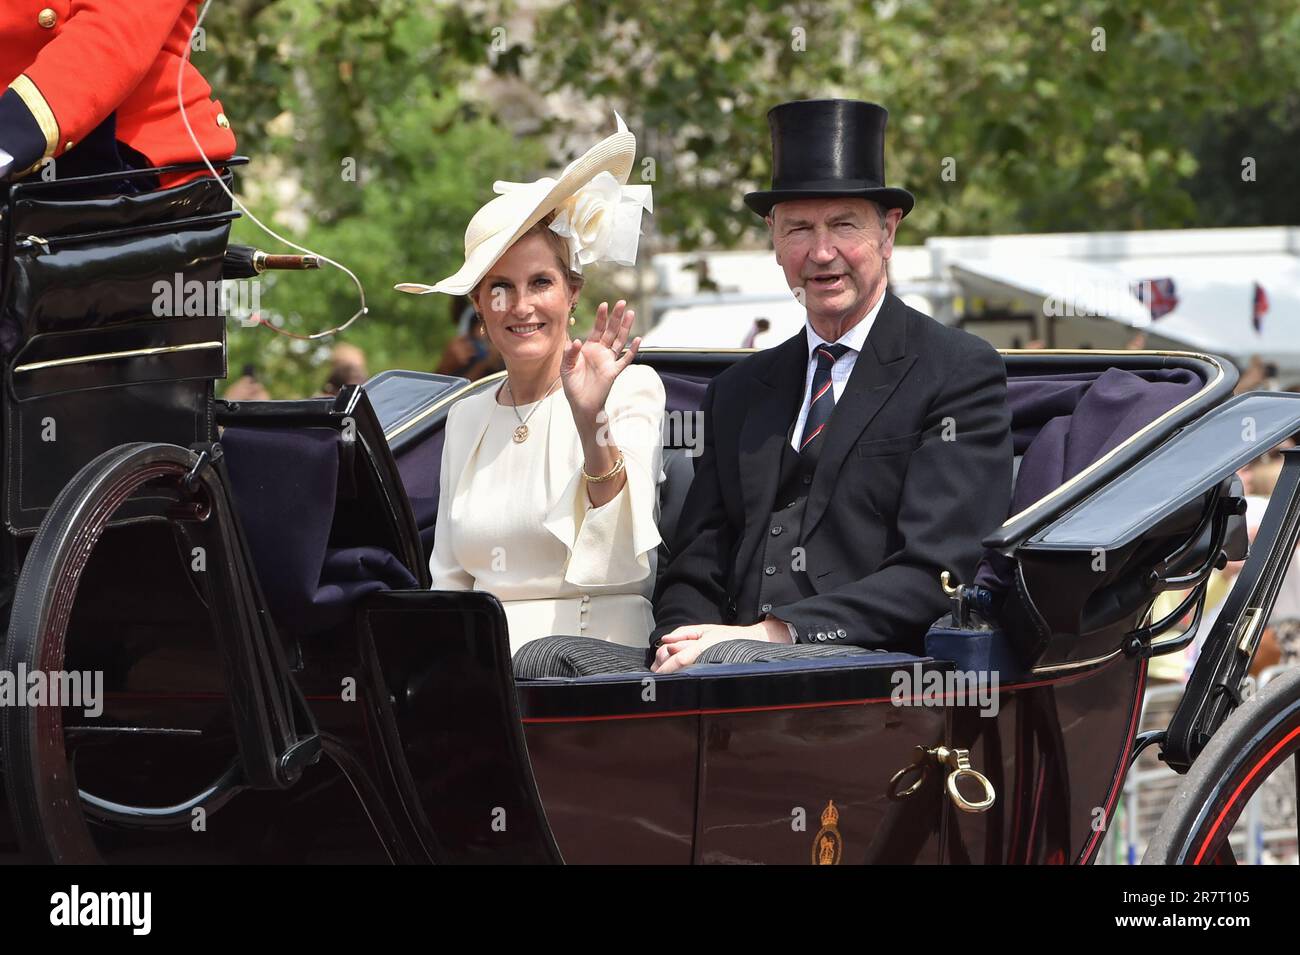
(915, 471)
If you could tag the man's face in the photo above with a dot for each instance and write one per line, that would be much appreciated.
(835, 250)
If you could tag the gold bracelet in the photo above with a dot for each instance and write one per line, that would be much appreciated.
(608, 475)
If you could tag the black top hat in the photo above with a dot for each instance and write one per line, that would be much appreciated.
(828, 147)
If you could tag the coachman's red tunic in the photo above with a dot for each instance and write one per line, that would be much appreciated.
(95, 80)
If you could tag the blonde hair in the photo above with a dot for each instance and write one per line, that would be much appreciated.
(558, 244)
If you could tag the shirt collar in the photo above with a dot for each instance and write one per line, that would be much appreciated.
(855, 337)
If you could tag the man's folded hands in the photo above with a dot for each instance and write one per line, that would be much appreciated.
(681, 647)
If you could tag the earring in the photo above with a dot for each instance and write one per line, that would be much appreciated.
(572, 320)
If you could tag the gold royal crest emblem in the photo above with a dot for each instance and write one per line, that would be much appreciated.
(828, 846)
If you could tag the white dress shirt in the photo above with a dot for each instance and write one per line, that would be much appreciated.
(855, 338)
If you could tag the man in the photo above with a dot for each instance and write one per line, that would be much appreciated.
(92, 84)
(844, 469)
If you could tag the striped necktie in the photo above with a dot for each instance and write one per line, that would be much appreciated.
(823, 398)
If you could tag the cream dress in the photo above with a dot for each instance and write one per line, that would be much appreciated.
(515, 519)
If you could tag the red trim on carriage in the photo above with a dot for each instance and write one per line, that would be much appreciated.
(1122, 770)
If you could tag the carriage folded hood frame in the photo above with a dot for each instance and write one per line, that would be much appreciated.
(1177, 472)
(1218, 375)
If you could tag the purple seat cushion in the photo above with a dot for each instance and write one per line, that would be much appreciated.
(1062, 423)
(285, 485)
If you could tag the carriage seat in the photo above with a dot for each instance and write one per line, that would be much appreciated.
(721, 686)
(1060, 424)
(872, 661)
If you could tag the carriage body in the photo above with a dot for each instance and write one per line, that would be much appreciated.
(258, 605)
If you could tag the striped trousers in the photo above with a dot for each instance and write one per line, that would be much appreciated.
(585, 656)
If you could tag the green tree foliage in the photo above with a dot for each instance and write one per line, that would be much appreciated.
(1047, 116)
(354, 105)
(1034, 116)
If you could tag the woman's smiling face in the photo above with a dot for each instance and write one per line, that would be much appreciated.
(525, 300)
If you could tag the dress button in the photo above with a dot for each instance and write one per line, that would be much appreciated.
(769, 570)
(821, 636)
(776, 531)
(766, 608)
(47, 18)
(807, 479)
(842, 634)
(222, 121)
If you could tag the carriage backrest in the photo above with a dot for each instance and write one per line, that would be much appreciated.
(1060, 424)
(1068, 412)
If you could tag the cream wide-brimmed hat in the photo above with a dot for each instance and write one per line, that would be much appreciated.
(596, 211)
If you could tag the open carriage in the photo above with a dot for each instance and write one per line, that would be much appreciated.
(250, 582)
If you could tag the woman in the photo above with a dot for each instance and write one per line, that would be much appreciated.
(549, 494)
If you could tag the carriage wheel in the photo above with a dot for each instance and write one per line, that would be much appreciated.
(48, 809)
(1254, 751)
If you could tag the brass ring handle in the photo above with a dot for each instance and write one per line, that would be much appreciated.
(960, 801)
(958, 762)
(920, 767)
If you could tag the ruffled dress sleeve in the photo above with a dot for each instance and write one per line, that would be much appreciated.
(614, 545)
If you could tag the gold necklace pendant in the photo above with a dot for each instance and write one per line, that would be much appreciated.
(521, 432)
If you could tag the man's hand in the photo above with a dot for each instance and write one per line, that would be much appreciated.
(680, 648)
